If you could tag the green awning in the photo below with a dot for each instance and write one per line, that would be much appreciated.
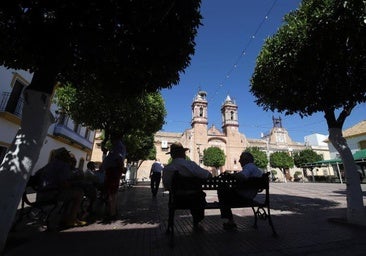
(323, 163)
(359, 155)
(330, 161)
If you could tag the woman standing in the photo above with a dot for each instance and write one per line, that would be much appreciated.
(113, 166)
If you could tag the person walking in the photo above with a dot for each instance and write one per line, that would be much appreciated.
(155, 176)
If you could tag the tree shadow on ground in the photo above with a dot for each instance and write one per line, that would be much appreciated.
(300, 204)
(137, 206)
(344, 192)
(296, 230)
(295, 217)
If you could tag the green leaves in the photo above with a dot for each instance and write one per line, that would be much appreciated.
(315, 60)
(136, 118)
(306, 156)
(260, 157)
(214, 156)
(281, 160)
(130, 46)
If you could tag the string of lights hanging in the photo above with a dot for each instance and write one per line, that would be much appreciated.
(243, 52)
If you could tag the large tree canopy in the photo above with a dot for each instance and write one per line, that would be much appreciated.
(141, 43)
(316, 62)
(124, 46)
(136, 118)
(318, 57)
(110, 111)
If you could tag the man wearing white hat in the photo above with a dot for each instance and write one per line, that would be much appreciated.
(186, 168)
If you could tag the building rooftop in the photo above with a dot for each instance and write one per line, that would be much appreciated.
(355, 130)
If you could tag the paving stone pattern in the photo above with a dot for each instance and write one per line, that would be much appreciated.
(301, 214)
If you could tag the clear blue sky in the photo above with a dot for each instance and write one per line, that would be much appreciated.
(227, 46)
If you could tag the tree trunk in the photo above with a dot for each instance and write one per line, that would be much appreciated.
(21, 157)
(284, 174)
(312, 174)
(355, 207)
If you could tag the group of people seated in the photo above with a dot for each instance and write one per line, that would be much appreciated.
(72, 185)
(60, 179)
(188, 168)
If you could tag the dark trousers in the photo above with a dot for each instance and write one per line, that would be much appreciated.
(155, 182)
(195, 203)
(227, 198)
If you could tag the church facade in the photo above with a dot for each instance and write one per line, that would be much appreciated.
(229, 139)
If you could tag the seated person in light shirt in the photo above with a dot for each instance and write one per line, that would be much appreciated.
(230, 196)
(186, 168)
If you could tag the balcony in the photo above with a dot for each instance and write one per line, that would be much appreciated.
(9, 104)
(67, 133)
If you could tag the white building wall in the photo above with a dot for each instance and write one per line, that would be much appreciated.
(316, 139)
(9, 129)
(353, 144)
(6, 76)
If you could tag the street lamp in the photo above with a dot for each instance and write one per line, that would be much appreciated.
(199, 154)
(266, 137)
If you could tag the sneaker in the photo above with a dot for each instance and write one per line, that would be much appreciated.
(229, 226)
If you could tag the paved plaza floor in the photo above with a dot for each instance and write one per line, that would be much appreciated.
(301, 212)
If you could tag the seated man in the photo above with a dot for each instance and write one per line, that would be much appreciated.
(186, 168)
(90, 184)
(58, 175)
(228, 197)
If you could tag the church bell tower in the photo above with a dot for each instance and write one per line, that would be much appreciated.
(229, 113)
(199, 110)
(199, 125)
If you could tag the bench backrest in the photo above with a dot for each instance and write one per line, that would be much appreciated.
(183, 183)
(191, 186)
(180, 182)
(185, 192)
(259, 183)
(229, 181)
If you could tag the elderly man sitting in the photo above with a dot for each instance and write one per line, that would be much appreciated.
(186, 168)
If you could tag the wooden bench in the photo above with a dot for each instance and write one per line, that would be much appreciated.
(190, 185)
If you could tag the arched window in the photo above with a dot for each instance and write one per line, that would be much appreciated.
(201, 111)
